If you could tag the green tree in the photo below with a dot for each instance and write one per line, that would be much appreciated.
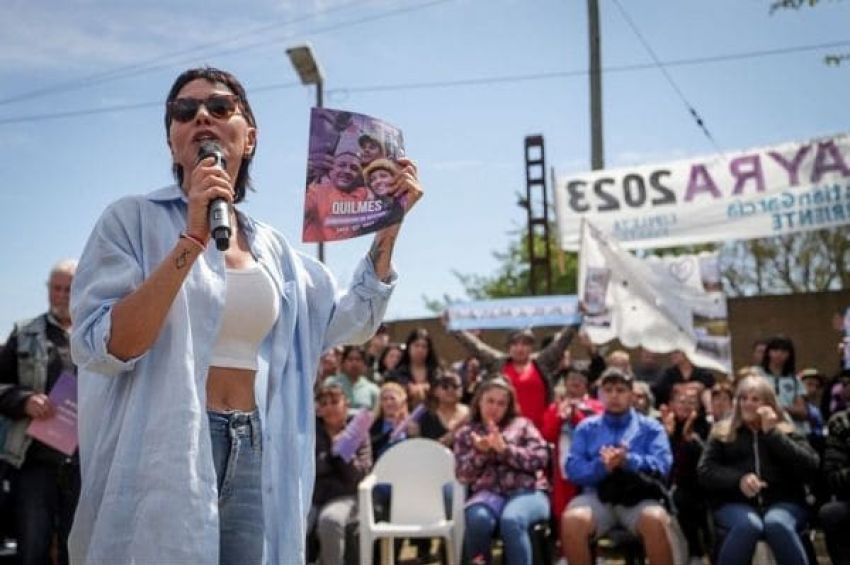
(831, 59)
(794, 4)
(512, 276)
(803, 262)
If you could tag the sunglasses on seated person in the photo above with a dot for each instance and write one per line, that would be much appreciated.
(219, 106)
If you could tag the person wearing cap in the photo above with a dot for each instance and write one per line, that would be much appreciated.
(379, 176)
(617, 447)
(333, 513)
(530, 373)
(813, 383)
(370, 149)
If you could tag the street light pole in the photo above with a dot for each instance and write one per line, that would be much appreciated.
(302, 58)
(597, 158)
(320, 96)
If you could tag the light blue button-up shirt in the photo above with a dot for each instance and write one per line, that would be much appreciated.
(148, 483)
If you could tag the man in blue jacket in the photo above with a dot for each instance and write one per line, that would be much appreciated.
(607, 453)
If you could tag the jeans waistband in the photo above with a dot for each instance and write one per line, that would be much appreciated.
(236, 424)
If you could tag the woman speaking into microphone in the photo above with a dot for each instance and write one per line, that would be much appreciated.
(196, 415)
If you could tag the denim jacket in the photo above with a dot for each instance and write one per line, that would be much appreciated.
(32, 350)
(149, 486)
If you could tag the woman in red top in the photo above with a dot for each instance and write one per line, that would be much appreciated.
(559, 420)
(527, 371)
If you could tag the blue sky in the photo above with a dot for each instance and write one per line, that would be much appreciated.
(395, 60)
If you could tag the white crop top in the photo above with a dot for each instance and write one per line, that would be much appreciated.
(251, 306)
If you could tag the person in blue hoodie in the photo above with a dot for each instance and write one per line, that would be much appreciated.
(619, 458)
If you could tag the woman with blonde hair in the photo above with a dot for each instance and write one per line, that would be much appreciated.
(754, 471)
(390, 413)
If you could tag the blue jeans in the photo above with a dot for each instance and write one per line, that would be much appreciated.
(237, 455)
(522, 509)
(779, 527)
(47, 497)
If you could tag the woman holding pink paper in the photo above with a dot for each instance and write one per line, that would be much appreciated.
(334, 510)
(503, 458)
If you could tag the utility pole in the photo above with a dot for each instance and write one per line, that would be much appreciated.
(597, 155)
(536, 204)
(308, 69)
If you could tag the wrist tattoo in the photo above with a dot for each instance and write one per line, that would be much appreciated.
(380, 247)
(182, 259)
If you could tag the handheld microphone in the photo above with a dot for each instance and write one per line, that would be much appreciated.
(219, 210)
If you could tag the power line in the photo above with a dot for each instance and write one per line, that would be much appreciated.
(157, 63)
(460, 82)
(121, 72)
(693, 112)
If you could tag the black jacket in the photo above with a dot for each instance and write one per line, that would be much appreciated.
(786, 462)
(335, 477)
(836, 458)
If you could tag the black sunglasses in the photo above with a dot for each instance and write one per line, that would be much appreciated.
(220, 107)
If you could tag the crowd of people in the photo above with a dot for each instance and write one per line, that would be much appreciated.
(199, 371)
(695, 465)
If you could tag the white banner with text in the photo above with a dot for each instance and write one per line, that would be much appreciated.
(525, 312)
(762, 192)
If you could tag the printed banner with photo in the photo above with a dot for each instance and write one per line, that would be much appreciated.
(527, 312)
(351, 166)
(762, 192)
(660, 303)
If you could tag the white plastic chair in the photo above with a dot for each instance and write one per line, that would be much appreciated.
(417, 469)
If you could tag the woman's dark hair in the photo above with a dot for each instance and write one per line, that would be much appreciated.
(349, 349)
(431, 360)
(490, 384)
(383, 357)
(213, 75)
(577, 370)
(723, 388)
(780, 343)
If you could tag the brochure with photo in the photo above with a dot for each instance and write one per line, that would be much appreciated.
(60, 430)
(351, 166)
